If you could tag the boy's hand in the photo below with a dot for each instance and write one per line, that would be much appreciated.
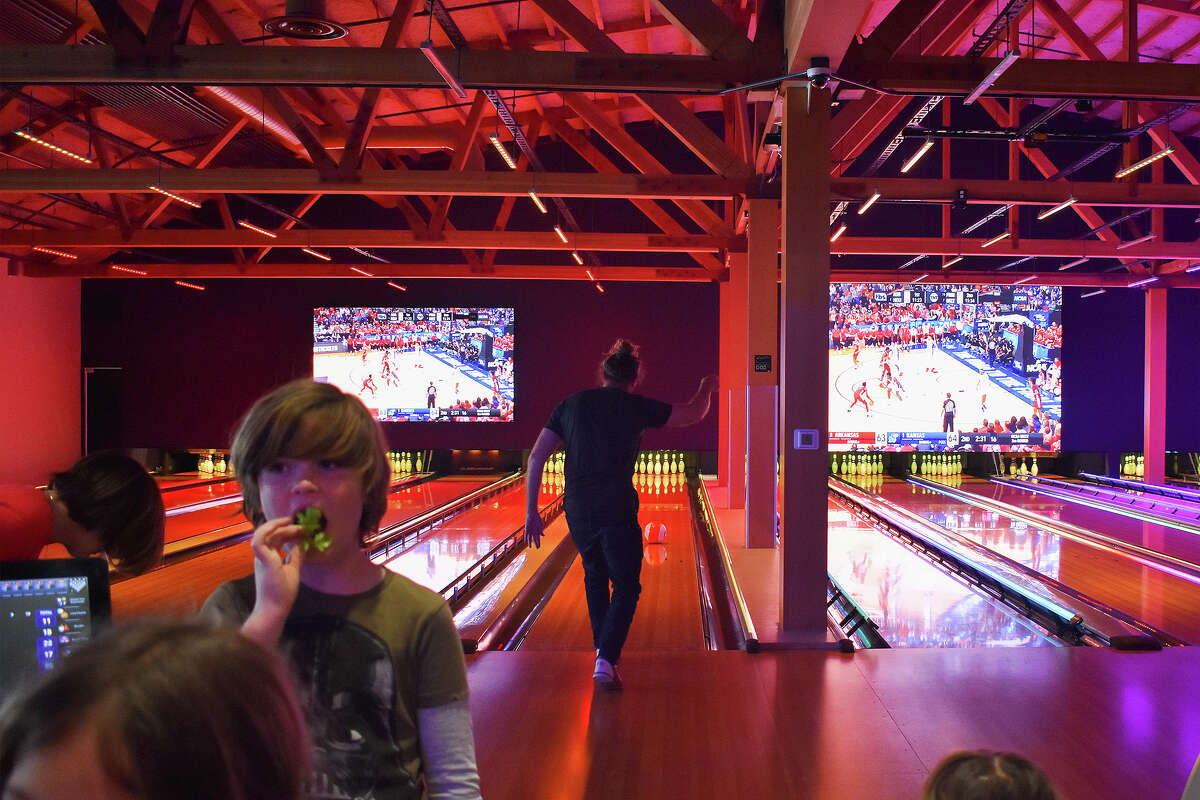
(533, 530)
(277, 562)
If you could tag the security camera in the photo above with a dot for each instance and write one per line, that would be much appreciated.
(818, 72)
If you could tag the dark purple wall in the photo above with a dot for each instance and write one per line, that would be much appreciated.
(1103, 341)
(194, 361)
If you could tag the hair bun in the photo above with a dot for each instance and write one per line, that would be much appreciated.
(622, 347)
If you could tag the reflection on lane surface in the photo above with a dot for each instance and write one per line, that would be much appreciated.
(914, 603)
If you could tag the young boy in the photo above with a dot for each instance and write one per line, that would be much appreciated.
(378, 659)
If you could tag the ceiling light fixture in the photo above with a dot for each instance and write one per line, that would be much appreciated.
(578, 260)
(397, 286)
(917, 156)
(1193, 267)
(130, 270)
(434, 59)
(1074, 263)
(1092, 294)
(1140, 240)
(29, 137)
(837, 234)
(362, 272)
(591, 277)
(1009, 59)
(173, 196)
(315, 254)
(1145, 162)
(911, 261)
(870, 202)
(537, 201)
(187, 285)
(1070, 201)
(50, 251)
(998, 238)
(1143, 282)
(502, 150)
(558, 229)
(954, 260)
(599, 288)
(1026, 279)
(250, 226)
(921, 278)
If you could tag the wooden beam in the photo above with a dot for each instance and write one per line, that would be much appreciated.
(303, 181)
(708, 27)
(1072, 32)
(168, 27)
(302, 209)
(902, 23)
(211, 151)
(239, 255)
(539, 272)
(1049, 248)
(377, 238)
(458, 161)
(127, 38)
(236, 65)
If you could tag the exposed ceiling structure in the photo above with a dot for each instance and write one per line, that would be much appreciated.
(594, 139)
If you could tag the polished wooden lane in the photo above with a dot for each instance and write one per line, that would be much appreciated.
(192, 494)
(668, 613)
(1166, 601)
(1104, 725)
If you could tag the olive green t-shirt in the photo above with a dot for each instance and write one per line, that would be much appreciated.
(365, 663)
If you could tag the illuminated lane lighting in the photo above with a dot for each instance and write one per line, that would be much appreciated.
(1092, 294)
(870, 202)
(952, 261)
(315, 254)
(362, 272)
(537, 201)
(29, 137)
(50, 251)
(998, 238)
(250, 226)
(187, 285)
(1070, 201)
(1026, 279)
(917, 156)
(130, 270)
(558, 229)
(921, 278)
(397, 286)
(993, 76)
(502, 150)
(173, 196)
(1140, 240)
(1193, 267)
(1142, 282)
(599, 288)
(1074, 263)
(591, 277)
(1145, 162)
(578, 259)
(837, 234)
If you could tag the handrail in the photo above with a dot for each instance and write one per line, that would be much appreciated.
(702, 510)
(1022, 584)
(1161, 511)
(1173, 492)
(850, 613)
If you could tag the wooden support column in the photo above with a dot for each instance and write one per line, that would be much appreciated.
(724, 372)
(1154, 427)
(735, 394)
(762, 382)
(804, 372)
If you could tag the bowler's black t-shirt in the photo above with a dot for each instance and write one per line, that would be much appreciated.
(602, 429)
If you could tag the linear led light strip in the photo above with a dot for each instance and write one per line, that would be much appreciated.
(997, 238)
(503, 151)
(1070, 201)
(558, 230)
(250, 226)
(362, 272)
(917, 156)
(578, 259)
(1143, 282)
(1009, 59)
(315, 254)
(1026, 279)
(50, 251)
(837, 234)
(130, 270)
(1074, 263)
(397, 286)
(1140, 240)
(870, 202)
(29, 137)
(1092, 294)
(173, 196)
(1147, 161)
(952, 262)
(187, 285)
(537, 201)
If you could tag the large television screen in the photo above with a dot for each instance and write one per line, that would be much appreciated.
(936, 367)
(419, 364)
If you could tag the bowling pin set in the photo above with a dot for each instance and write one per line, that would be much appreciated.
(659, 462)
(942, 464)
(856, 463)
(404, 462)
(214, 463)
(1022, 466)
(1133, 465)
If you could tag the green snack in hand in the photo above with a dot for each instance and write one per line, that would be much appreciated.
(312, 520)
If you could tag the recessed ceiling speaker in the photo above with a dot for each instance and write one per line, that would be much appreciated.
(305, 19)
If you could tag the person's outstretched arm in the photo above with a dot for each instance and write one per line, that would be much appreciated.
(694, 410)
(547, 442)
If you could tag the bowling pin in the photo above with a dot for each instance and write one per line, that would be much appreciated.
(1141, 466)
(1021, 470)
(220, 465)
(657, 463)
(1012, 466)
(1034, 469)
(419, 464)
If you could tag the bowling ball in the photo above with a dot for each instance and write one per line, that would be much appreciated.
(655, 554)
(655, 532)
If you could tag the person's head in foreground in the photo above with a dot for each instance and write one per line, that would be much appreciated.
(157, 710)
(984, 775)
(305, 421)
(621, 367)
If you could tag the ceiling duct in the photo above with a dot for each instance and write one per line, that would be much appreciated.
(305, 19)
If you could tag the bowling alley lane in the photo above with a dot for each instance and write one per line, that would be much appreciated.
(668, 613)
(1161, 599)
(914, 603)
(214, 491)
(181, 587)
